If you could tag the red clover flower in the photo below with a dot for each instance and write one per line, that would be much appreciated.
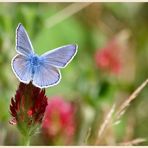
(27, 108)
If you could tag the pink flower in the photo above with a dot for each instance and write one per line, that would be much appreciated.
(108, 58)
(59, 122)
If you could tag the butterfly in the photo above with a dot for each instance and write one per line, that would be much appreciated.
(43, 71)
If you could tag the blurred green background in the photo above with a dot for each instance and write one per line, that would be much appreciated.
(93, 89)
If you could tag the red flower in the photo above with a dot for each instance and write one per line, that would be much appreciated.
(58, 122)
(108, 58)
(28, 107)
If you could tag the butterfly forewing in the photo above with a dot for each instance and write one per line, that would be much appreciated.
(23, 44)
(61, 56)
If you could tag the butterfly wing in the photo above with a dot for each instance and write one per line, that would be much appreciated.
(46, 75)
(22, 68)
(23, 43)
(61, 56)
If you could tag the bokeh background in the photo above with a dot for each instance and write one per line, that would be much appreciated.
(111, 62)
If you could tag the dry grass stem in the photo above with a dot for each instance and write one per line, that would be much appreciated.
(133, 142)
(65, 13)
(118, 114)
(127, 102)
(105, 124)
(87, 136)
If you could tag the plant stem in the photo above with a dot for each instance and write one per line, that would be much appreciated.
(26, 140)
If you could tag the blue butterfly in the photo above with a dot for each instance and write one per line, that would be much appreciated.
(43, 71)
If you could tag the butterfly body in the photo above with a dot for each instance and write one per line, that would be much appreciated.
(34, 63)
(43, 71)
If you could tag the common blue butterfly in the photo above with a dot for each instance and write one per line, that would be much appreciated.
(43, 71)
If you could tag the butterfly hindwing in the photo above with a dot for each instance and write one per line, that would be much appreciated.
(22, 68)
(46, 75)
(23, 43)
(61, 56)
